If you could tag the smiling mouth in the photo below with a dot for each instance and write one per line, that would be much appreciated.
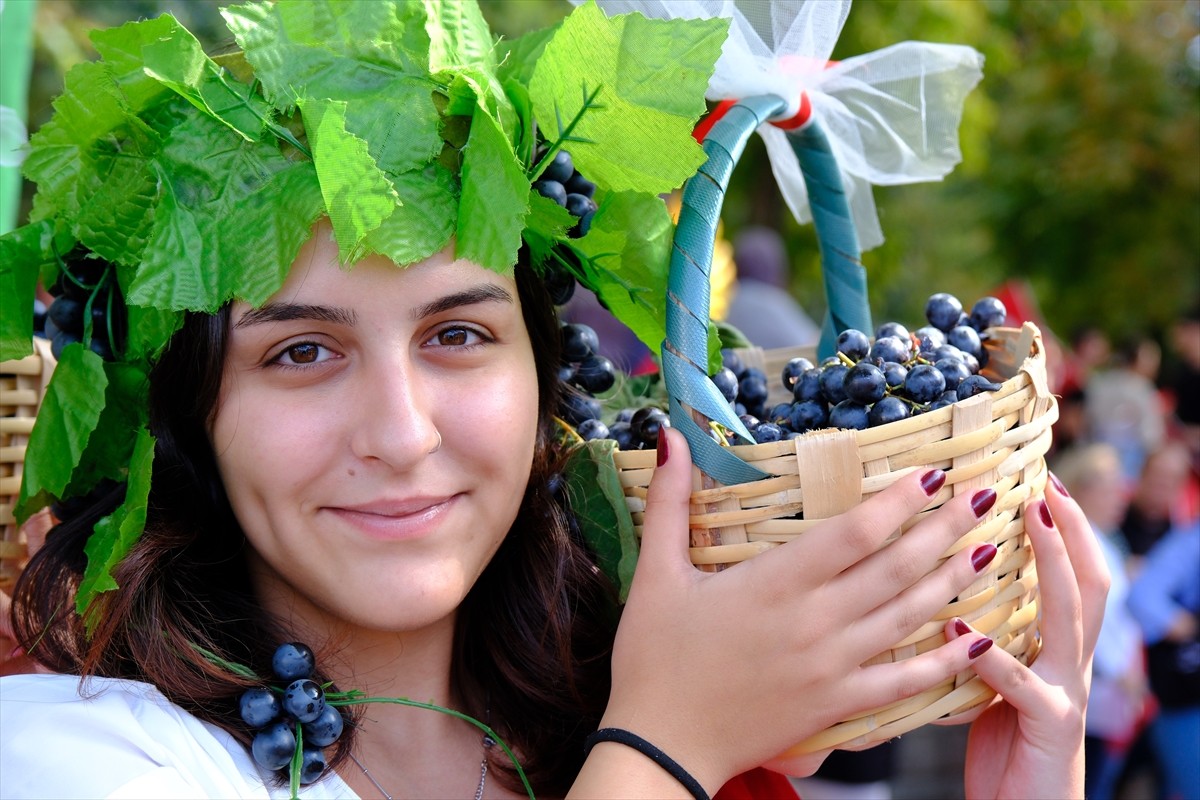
(392, 522)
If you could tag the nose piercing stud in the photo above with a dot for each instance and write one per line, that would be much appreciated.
(437, 446)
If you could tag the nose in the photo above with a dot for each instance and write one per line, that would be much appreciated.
(393, 406)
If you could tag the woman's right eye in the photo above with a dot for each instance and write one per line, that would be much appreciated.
(302, 354)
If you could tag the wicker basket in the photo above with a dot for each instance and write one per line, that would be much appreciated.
(997, 439)
(22, 386)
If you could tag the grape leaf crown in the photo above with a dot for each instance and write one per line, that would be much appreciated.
(196, 178)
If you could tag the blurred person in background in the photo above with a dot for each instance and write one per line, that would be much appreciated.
(1091, 473)
(1160, 499)
(762, 308)
(1180, 380)
(1165, 600)
(1124, 410)
(1090, 350)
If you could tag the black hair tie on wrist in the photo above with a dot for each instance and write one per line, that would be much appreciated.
(622, 736)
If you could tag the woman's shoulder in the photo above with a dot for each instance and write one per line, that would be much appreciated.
(102, 737)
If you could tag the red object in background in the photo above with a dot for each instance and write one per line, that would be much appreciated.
(758, 784)
(1022, 307)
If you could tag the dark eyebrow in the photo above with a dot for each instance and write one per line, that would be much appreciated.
(487, 292)
(282, 312)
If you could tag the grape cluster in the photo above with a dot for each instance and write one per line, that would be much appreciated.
(275, 715)
(586, 374)
(869, 383)
(86, 290)
(563, 184)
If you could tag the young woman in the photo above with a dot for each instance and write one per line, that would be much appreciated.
(364, 460)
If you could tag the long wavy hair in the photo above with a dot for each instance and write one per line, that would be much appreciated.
(533, 636)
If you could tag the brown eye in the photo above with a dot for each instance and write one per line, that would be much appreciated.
(453, 337)
(303, 353)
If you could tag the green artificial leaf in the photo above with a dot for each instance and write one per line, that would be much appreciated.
(70, 411)
(195, 260)
(518, 57)
(649, 78)
(382, 77)
(598, 503)
(22, 252)
(715, 344)
(459, 36)
(116, 534)
(149, 331)
(358, 195)
(111, 443)
(122, 49)
(495, 197)
(177, 59)
(424, 224)
(546, 224)
(118, 193)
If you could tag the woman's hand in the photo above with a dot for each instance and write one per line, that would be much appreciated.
(1031, 744)
(724, 671)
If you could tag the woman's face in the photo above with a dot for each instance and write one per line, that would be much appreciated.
(334, 396)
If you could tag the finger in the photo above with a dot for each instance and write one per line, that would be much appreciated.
(919, 604)
(848, 538)
(905, 561)
(664, 546)
(1091, 570)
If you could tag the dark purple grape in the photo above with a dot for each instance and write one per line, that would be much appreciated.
(988, 312)
(809, 415)
(767, 432)
(853, 344)
(808, 386)
(972, 363)
(727, 383)
(552, 190)
(946, 351)
(954, 370)
(67, 314)
(889, 409)
(312, 764)
(892, 329)
(833, 383)
(579, 341)
(779, 414)
(560, 285)
(591, 429)
(973, 385)
(560, 168)
(622, 434)
(259, 706)
(596, 374)
(891, 348)
(577, 184)
(752, 389)
(946, 398)
(292, 661)
(930, 337)
(100, 347)
(894, 374)
(325, 729)
(303, 700)
(566, 372)
(865, 383)
(60, 342)
(792, 371)
(578, 204)
(575, 407)
(732, 362)
(749, 421)
(965, 338)
(943, 310)
(924, 383)
(850, 415)
(647, 423)
(625, 415)
(274, 746)
(581, 228)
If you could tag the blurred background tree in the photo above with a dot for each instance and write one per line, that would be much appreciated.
(1081, 170)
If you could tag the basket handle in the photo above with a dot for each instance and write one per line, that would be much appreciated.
(685, 350)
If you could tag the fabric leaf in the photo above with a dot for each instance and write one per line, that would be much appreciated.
(424, 224)
(21, 254)
(598, 503)
(459, 36)
(495, 197)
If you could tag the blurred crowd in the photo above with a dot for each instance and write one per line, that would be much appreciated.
(1127, 447)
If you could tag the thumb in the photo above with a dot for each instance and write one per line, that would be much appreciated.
(665, 530)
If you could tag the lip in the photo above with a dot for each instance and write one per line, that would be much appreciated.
(393, 520)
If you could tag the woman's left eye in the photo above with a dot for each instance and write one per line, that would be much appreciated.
(302, 354)
(458, 336)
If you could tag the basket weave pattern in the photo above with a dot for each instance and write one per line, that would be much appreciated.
(22, 386)
(995, 439)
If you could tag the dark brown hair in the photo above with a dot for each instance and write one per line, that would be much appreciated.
(533, 637)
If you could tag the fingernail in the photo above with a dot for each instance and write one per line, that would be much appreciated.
(982, 501)
(662, 448)
(932, 481)
(1057, 484)
(983, 556)
(1044, 511)
(961, 628)
(980, 647)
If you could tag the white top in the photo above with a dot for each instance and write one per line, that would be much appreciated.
(123, 739)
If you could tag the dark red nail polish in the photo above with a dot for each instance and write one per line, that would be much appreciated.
(662, 448)
(983, 556)
(979, 648)
(1044, 511)
(961, 628)
(932, 481)
(982, 501)
(1058, 485)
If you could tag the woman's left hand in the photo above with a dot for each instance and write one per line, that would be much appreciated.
(1030, 745)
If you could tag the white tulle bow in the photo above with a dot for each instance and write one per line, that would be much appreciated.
(891, 116)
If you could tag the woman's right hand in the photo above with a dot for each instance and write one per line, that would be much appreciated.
(724, 671)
